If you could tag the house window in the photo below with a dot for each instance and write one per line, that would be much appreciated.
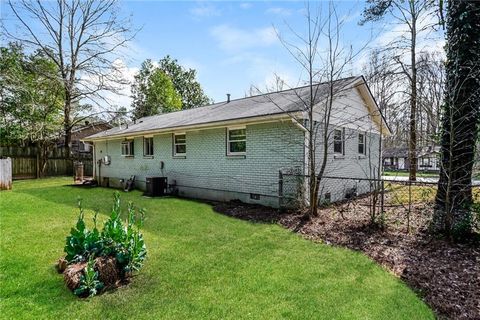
(236, 141)
(148, 146)
(127, 148)
(84, 147)
(338, 141)
(179, 144)
(426, 162)
(361, 143)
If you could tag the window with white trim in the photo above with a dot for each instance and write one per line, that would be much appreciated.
(338, 141)
(179, 144)
(236, 141)
(148, 146)
(127, 148)
(362, 147)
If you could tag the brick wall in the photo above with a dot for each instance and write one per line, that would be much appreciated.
(206, 171)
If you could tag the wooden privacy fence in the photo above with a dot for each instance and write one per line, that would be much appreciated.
(26, 162)
(5, 174)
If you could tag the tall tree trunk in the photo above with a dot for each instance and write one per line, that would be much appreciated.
(461, 120)
(412, 145)
(67, 127)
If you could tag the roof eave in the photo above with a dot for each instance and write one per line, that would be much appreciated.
(208, 125)
(379, 119)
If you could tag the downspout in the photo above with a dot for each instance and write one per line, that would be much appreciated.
(305, 157)
(94, 164)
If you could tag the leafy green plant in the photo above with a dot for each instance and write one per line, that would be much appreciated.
(125, 242)
(81, 243)
(89, 283)
(118, 239)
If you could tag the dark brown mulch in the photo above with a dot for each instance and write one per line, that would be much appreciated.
(447, 275)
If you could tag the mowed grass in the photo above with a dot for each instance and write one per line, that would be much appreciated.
(406, 174)
(200, 265)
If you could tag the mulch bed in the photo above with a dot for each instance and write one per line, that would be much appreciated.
(446, 275)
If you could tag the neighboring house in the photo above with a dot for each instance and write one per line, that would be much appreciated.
(80, 132)
(395, 159)
(236, 149)
(428, 159)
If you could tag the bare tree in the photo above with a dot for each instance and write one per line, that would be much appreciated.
(431, 84)
(84, 39)
(320, 55)
(412, 15)
(383, 82)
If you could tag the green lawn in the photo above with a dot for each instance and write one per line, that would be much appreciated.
(201, 265)
(406, 174)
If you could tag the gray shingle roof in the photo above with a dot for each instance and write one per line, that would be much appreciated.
(275, 103)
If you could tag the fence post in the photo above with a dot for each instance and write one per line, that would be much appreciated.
(409, 204)
(280, 189)
(382, 199)
(37, 165)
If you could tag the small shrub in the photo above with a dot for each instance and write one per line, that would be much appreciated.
(125, 242)
(89, 283)
(120, 241)
(81, 243)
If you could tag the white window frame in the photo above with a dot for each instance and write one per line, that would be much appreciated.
(175, 144)
(231, 153)
(363, 142)
(342, 140)
(130, 148)
(145, 154)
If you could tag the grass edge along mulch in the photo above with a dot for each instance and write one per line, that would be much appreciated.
(445, 275)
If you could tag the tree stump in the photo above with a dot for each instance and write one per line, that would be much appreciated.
(73, 274)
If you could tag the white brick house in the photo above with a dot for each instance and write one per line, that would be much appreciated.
(235, 149)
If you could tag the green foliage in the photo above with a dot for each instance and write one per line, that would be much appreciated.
(89, 283)
(32, 97)
(153, 92)
(82, 243)
(185, 83)
(124, 242)
(165, 88)
(161, 96)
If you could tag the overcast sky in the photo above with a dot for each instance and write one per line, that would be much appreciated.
(232, 45)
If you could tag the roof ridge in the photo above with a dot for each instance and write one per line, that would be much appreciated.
(249, 97)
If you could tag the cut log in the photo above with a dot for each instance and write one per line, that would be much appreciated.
(72, 275)
(62, 264)
(108, 271)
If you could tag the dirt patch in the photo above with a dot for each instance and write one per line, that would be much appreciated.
(447, 275)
